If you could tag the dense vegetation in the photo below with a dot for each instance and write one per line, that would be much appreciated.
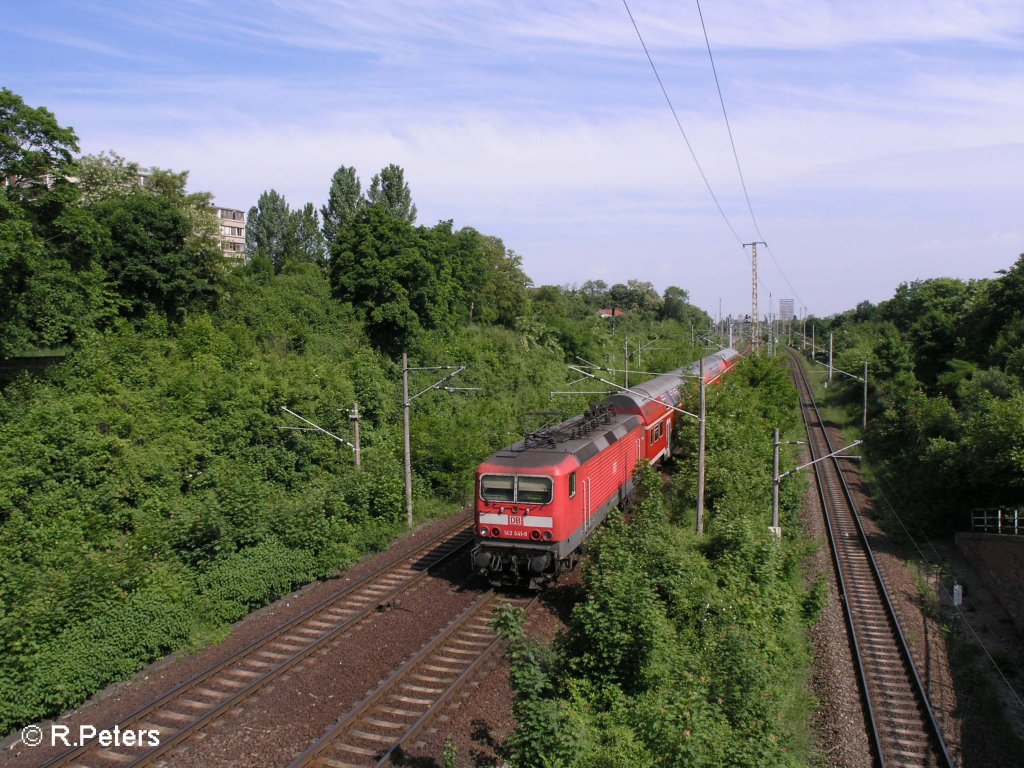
(685, 650)
(148, 495)
(946, 401)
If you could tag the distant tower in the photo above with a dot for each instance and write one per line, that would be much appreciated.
(785, 310)
(755, 319)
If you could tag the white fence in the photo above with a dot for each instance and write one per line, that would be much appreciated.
(1001, 520)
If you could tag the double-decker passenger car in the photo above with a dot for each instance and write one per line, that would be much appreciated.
(540, 499)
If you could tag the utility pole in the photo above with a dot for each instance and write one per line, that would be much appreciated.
(700, 453)
(640, 350)
(830, 358)
(407, 406)
(755, 320)
(354, 416)
(777, 478)
(626, 356)
(775, 485)
(406, 445)
(862, 379)
(864, 425)
(814, 352)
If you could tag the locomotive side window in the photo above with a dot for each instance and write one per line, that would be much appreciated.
(534, 490)
(498, 488)
(657, 432)
(572, 484)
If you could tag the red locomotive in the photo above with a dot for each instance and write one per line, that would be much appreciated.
(540, 499)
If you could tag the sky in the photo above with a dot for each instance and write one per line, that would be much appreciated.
(879, 142)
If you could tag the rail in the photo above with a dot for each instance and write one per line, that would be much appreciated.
(375, 732)
(903, 727)
(222, 687)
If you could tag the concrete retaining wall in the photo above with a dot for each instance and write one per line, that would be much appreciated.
(999, 562)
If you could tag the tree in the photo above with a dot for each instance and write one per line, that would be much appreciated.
(388, 270)
(504, 296)
(635, 296)
(306, 240)
(994, 327)
(102, 176)
(344, 200)
(931, 314)
(32, 143)
(865, 312)
(595, 292)
(267, 229)
(52, 286)
(389, 190)
(149, 257)
(674, 303)
(20, 249)
(202, 241)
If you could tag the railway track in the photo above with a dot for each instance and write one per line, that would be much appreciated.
(378, 729)
(181, 713)
(900, 720)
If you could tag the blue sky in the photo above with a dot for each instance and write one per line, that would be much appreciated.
(879, 141)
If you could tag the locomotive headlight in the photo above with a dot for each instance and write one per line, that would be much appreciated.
(483, 530)
(547, 535)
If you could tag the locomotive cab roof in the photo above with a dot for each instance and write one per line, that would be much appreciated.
(580, 438)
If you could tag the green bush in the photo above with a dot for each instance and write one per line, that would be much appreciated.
(153, 464)
(118, 640)
(672, 656)
(252, 578)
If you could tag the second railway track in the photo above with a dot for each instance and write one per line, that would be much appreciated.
(186, 710)
(900, 720)
(389, 718)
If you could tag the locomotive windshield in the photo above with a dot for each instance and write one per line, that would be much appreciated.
(534, 490)
(521, 488)
(498, 488)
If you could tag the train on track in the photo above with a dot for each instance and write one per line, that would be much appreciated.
(539, 500)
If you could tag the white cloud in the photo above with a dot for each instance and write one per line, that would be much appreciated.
(862, 129)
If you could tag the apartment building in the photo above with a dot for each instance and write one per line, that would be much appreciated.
(231, 233)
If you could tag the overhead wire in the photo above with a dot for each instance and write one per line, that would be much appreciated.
(679, 124)
(689, 146)
(736, 157)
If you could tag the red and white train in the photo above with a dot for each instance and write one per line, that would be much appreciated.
(540, 499)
